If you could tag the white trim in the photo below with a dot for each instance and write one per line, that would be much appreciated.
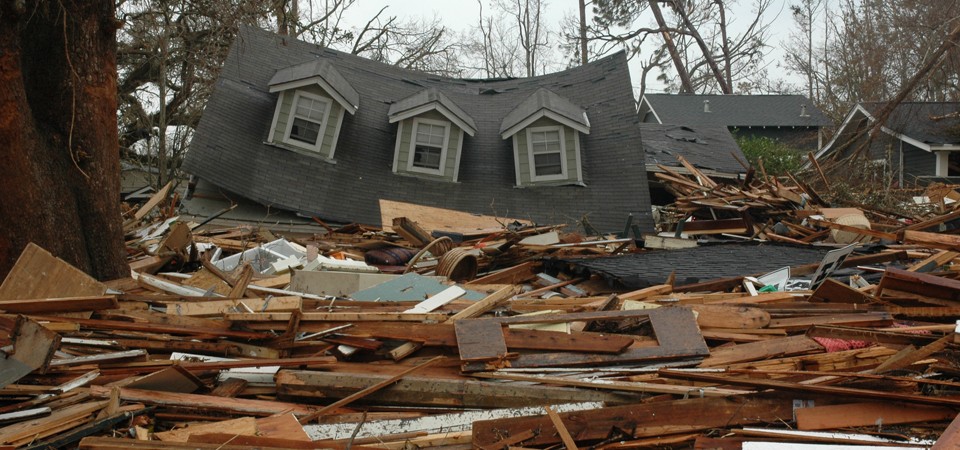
(561, 135)
(921, 145)
(516, 160)
(336, 133)
(434, 106)
(396, 150)
(655, 115)
(943, 163)
(900, 165)
(576, 149)
(443, 150)
(548, 114)
(276, 116)
(843, 126)
(456, 164)
(323, 125)
(945, 147)
(351, 108)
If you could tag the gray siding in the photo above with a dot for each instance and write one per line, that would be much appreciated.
(918, 163)
(570, 137)
(405, 135)
(283, 118)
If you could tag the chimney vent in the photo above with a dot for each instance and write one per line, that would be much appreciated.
(706, 106)
(803, 111)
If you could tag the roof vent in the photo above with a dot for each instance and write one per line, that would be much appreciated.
(706, 106)
(803, 111)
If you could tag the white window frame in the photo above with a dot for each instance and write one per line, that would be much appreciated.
(563, 153)
(443, 150)
(291, 115)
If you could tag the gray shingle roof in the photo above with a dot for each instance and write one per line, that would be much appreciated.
(427, 96)
(927, 122)
(736, 110)
(544, 99)
(229, 148)
(707, 147)
(322, 69)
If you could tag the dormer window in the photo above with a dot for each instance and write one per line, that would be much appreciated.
(309, 118)
(430, 130)
(546, 153)
(429, 146)
(545, 129)
(313, 99)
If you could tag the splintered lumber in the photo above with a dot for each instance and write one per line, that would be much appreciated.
(41, 428)
(834, 291)
(910, 355)
(730, 316)
(33, 348)
(434, 219)
(773, 348)
(511, 275)
(98, 324)
(880, 319)
(488, 303)
(244, 426)
(922, 284)
(205, 402)
(433, 391)
(645, 420)
(870, 335)
(369, 390)
(936, 240)
(155, 200)
(835, 391)
(568, 441)
(109, 443)
(867, 414)
(221, 306)
(675, 328)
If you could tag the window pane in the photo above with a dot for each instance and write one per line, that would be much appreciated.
(545, 141)
(305, 131)
(426, 157)
(547, 164)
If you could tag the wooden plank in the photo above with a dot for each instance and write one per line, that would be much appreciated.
(936, 240)
(631, 386)
(730, 316)
(42, 427)
(950, 439)
(920, 283)
(601, 423)
(369, 390)
(480, 340)
(870, 335)
(53, 305)
(881, 319)
(835, 391)
(834, 291)
(108, 443)
(155, 200)
(867, 415)
(911, 355)
(517, 274)
(340, 317)
(433, 391)
(434, 219)
(284, 426)
(219, 307)
(38, 274)
(565, 437)
(774, 348)
(854, 230)
(488, 303)
(205, 402)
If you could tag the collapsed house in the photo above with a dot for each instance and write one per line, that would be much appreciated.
(329, 134)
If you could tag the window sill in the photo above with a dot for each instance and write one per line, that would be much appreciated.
(301, 151)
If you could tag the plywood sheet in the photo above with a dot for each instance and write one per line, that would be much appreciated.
(440, 219)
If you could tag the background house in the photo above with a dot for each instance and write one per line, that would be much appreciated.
(324, 133)
(919, 141)
(790, 119)
(710, 148)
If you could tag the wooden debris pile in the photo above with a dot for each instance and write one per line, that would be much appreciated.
(237, 338)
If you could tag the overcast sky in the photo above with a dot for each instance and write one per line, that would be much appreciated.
(460, 15)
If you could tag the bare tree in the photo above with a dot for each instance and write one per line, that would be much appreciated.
(695, 34)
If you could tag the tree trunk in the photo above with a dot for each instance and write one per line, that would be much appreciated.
(583, 32)
(58, 134)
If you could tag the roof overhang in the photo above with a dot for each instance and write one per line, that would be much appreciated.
(543, 112)
(317, 80)
(434, 106)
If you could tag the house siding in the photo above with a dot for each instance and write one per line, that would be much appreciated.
(405, 135)
(329, 132)
(570, 137)
(917, 162)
